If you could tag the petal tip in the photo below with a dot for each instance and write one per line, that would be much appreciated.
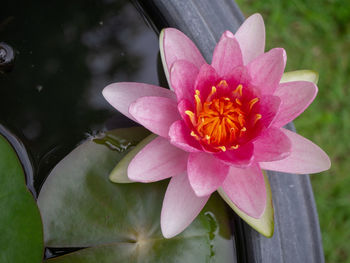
(229, 34)
(255, 19)
(107, 91)
(327, 163)
(131, 175)
(281, 51)
(200, 192)
(132, 107)
(167, 232)
(260, 212)
(168, 228)
(256, 212)
(257, 16)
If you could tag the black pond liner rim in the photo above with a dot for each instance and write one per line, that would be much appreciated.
(297, 236)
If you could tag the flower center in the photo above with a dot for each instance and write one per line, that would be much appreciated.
(220, 121)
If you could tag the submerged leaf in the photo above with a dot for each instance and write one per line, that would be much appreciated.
(120, 222)
(20, 224)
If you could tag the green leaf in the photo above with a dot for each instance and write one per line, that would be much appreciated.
(265, 224)
(120, 173)
(120, 222)
(21, 231)
(300, 75)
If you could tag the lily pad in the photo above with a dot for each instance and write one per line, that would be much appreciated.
(20, 224)
(120, 222)
(265, 224)
(300, 75)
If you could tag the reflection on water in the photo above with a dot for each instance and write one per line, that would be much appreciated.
(65, 55)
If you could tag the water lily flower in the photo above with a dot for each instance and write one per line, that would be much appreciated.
(219, 125)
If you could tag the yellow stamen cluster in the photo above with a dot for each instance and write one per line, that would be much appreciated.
(219, 122)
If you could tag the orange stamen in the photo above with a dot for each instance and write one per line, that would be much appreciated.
(191, 115)
(222, 148)
(252, 102)
(194, 135)
(244, 129)
(257, 117)
(241, 119)
(239, 90)
(220, 122)
(238, 102)
(198, 101)
(223, 83)
(213, 91)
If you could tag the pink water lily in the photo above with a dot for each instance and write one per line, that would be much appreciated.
(219, 125)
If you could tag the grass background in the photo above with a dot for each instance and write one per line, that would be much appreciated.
(316, 35)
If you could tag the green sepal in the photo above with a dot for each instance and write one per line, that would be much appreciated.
(300, 75)
(120, 173)
(265, 224)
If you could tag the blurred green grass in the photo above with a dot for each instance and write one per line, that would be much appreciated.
(316, 35)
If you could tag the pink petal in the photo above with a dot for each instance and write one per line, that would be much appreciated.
(251, 37)
(295, 97)
(121, 95)
(180, 136)
(155, 113)
(206, 78)
(182, 107)
(272, 145)
(305, 158)
(269, 107)
(242, 157)
(183, 75)
(239, 75)
(175, 45)
(227, 55)
(267, 70)
(246, 189)
(180, 206)
(205, 173)
(156, 161)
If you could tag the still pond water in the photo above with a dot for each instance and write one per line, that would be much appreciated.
(64, 56)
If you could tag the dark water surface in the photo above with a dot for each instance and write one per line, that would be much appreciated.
(65, 54)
